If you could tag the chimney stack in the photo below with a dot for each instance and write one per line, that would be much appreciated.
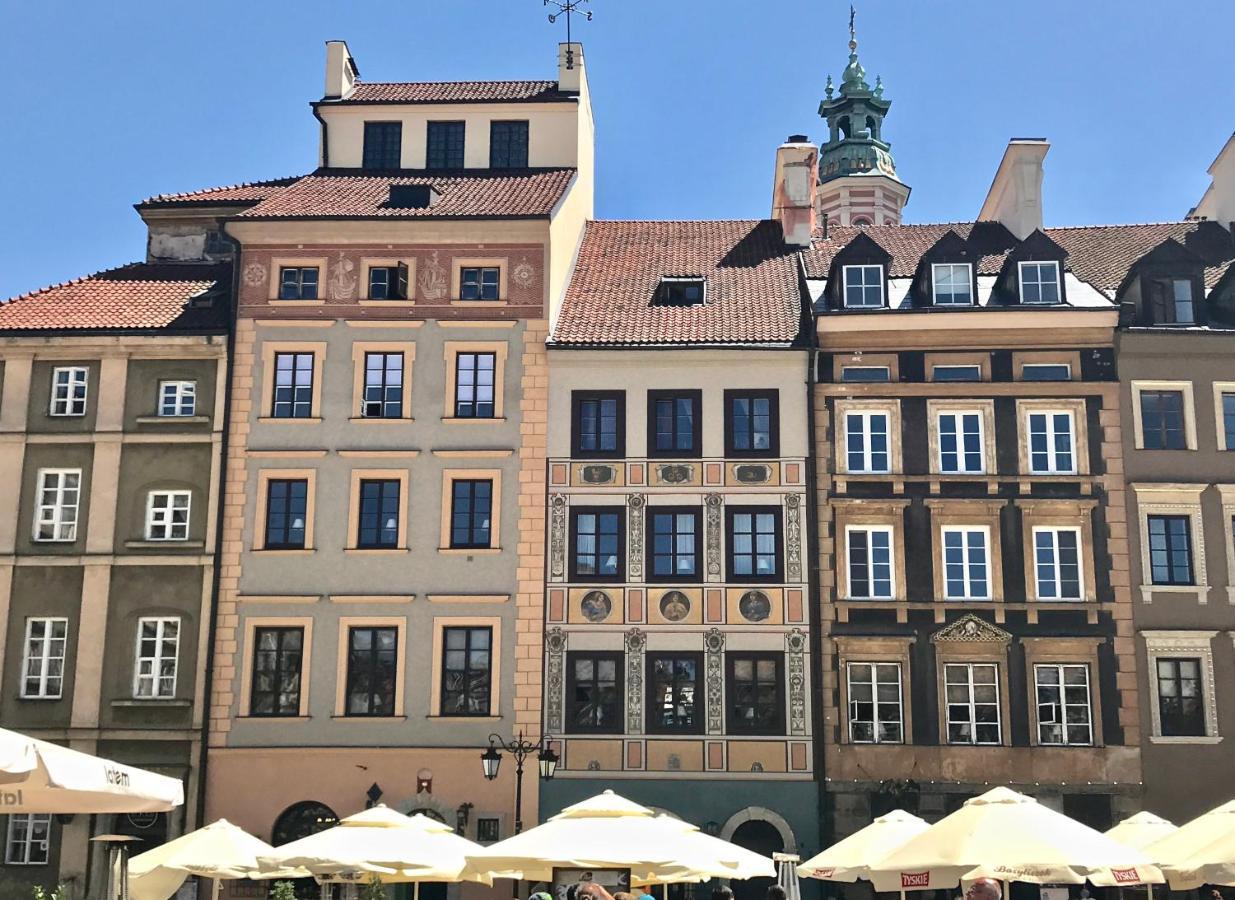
(341, 71)
(571, 74)
(1015, 197)
(793, 189)
(1218, 202)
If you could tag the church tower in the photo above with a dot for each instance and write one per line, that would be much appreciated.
(857, 175)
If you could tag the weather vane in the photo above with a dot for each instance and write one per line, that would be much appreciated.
(568, 8)
(853, 41)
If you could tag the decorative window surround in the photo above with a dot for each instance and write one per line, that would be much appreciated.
(968, 514)
(1220, 388)
(1065, 651)
(1080, 434)
(1183, 387)
(1176, 643)
(1179, 500)
(452, 349)
(269, 350)
(1069, 358)
(875, 514)
(1227, 493)
(889, 361)
(987, 410)
(1042, 513)
(889, 649)
(891, 408)
(360, 350)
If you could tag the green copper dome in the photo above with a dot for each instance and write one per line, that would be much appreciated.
(855, 144)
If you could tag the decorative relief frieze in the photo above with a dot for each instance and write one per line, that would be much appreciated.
(524, 273)
(714, 506)
(635, 504)
(254, 274)
(557, 537)
(795, 662)
(971, 629)
(434, 280)
(636, 642)
(714, 678)
(342, 278)
(793, 537)
(555, 680)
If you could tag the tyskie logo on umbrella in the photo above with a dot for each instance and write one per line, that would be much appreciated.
(1125, 876)
(915, 879)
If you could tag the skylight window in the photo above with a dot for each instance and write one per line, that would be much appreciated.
(681, 291)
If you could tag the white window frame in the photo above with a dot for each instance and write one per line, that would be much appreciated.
(60, 516)
(69, 404)
(952, 267)
(971, 704)
(870, 564)
(868, 465)
(1172, 644)
(964, 531)
(1058, 282)
(876, 722)
(1221, 389)
(1054, 531)
(865, 287)
(38, 654)
(24, 843)
(147, 669)
(161, 520)
(1061, 713)
(1052, 466)
(958, 414)
(182, 395)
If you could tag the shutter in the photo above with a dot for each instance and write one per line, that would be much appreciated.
(402, 285)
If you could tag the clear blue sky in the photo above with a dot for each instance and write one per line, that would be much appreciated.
(111, 102)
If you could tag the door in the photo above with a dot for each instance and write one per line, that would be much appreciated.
(760, 837)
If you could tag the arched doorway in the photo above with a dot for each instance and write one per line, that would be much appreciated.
(301, 820)
(764, 838)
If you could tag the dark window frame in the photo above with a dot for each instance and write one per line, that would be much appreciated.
(278, 672)
(696, 398)
(382, 385)
(383, 485)
(481, 285)
(1162, 431)
(1162, 308)
(575, 513)
(650, 550)
(1169, 549)
(778, 517)
(618, 658)
(732, 723)
(472, 543)
(1171, 723)
(302, 291)
(395, 286)
(577, 399)
(770, 394)
(475, 369)
(510, 144)
(373, 663)
(445, 133)
(286, 525)
(651, 723)
(295, 386)
(376, 153)
(467, 651)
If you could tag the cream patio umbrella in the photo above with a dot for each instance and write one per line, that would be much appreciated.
(1201, 851)
(1010, 837)
(850, 859)
(218, 851)
(1141, 830)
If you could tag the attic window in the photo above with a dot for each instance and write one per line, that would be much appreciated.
(1171, 301)
(410, 196)
(681, 291)
(1039, 282)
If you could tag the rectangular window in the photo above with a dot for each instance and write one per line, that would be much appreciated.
(488, 830)
(445, 145)
(379, 514)
(673, 536)
(158, 650)
(1162, 420)
(1039, 282)
(680, 291)
(1046, 372)
(962, 447)
(1228, 419)
(754, 543)
(298, 283)
(956, 373)
(1170, 300)
(42, 667)
(1051, 450)
(866, 442)
(383, 386)
(388, 282)
(471, 511)
(1181, 700)
(474, 385)
(754, 693)
(751, 423)
(952, 284)
(177, 398)
(865, 374)
(293, 386)
(277, 659)
(508, 144)
(870, 562)
(372, 670)
(68, 390)
(674, 427)
(863, 286)
(594, 692)
(167, 515)
(972, 691)
(966, 564)
(1064, 715)
(875, 711)
(1057, 563)
(1170, 550)
(480, 283)
(598, 423)
(596, 536)
(28, 839)
(467, 657)
(287, 505)
(382, 145)
(675, 703)
(59, 496)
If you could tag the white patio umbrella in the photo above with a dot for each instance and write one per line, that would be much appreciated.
(1010, 837)
(218, 851)
(1141, 830)
(1199, 852)
(850, 859)
(38, 777)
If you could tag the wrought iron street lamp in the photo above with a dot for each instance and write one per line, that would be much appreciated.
(520, 748)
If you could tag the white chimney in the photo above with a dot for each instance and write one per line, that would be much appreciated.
(341, 71)
(571, 74)
(793, 189)
(1015, 197)
(1218, 203)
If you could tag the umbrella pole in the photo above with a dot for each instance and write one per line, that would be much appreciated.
(416, 891)
(217, 889)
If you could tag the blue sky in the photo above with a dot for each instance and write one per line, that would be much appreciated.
(112, 102)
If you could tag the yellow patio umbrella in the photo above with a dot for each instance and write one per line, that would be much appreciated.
(1141, 830)
(218, 851)
(1199, 852)
(1010, 837)
(850, 859)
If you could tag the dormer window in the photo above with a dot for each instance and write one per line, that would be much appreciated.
(1171, 301)
(952, 284)
(383, 143)
(863, 286)
(1039, 282)
(681, 292)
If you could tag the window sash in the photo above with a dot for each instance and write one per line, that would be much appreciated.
(1162, 420)
(962, 444)
(378, 524)
(1051, 442)
(1046, 372)
(869, 552)
(480, 283)
(597, 544)
(471, 512)
(1065, 711)
(867, 447)
(674, 693)
(445, 145)
(952, 284)
(298, 283)
(755, 693)
(674, 543)
(28, 839)
(508, 143)
(863, 286)
(475, 385)
(293, 386)
(865, 374)
(1170, 550)
(372, 670)
(675, 426)
(876, 703)
(43, 657)
(596, 704)
(1181, 696)
(598, 424)
(1057, 564)
(177, 398)
(70, 385)
(382, 145)
(167, 515)
(754, 543)
(1039, 282)
(383, 386)
(467, 663)
(59, 497)
(752, 424)
(1228, 419)
(972, 701)
(287, 501)
(955, 373)
(158, 653)
(966, 562)
(278, 659)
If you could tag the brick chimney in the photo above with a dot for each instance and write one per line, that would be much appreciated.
(1015, 197)
(341, 71)
(793, 189)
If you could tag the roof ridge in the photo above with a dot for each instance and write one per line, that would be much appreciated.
(283, 181)
(83, 278)
(467, 81)
(678, 221)
(1120, 225)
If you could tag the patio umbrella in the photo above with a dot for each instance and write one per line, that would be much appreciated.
(38, 777)
(850, 859)
(1010, 837)
(1141, 830)
(1199, 852)
(218, 851)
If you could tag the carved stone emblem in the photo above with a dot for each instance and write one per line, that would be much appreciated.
(793, 538)
(254, 274)
(635, 504)
(433, 280)
(755, 606)
(596, 606)
(752, 474)
(599, 474)
(674, 473)
(713, 504)
(557, 536)
(714, 646)
(523, 273)
(555, 651)
(342, 278)
(795, 663)
(636, 641)
(674, 606)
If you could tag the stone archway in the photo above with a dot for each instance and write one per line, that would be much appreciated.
(763, 814)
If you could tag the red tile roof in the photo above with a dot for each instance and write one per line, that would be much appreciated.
(138, 296)
(753, 290)
(250, 192)
(475, 193)
(454, 92)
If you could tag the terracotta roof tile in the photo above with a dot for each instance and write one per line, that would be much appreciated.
(249, 192)
(454, 92)
(138, 296)
(753, 289)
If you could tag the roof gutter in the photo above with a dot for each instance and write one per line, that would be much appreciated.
(325, 154)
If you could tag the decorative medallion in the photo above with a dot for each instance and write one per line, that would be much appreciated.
(596, 606)
(254, 274)
(674, 606)
(524, 273)
(593, 765)
(636, 641)
(793, 538)
(433, 280)
(675, 473)
(795, 662)
(674, 762)
(635, 504)
(972, 629)
(755, 606)
(342, 279)
(555, 652)
(557, 536)
(714, 647)
(756, 767)
(598, 474)
(713, 505)
(748, 473)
